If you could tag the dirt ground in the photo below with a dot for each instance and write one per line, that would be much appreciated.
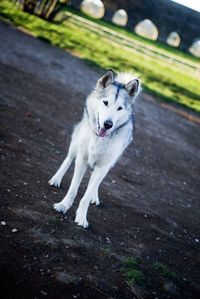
(149, 201)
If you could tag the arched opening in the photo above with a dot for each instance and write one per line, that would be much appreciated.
(173, 39)
(93, 8)
(195, 48)
(120, 17)
(147, 28)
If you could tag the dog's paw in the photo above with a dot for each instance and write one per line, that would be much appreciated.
(60, 207)
(95, 201)
(55, 181)
(81, 220)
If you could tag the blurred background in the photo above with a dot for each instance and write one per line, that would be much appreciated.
(159, 39)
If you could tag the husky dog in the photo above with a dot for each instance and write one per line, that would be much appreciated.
(99, 139)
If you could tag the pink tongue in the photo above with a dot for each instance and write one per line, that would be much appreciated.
(102, 132)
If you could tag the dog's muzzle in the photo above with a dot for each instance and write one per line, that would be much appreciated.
(108, 124)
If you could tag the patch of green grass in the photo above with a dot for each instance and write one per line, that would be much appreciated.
(107, 251)
(135, 277)
(167, 81)
(163, 270)
(130, 262)
(131, 272)
(53, 219)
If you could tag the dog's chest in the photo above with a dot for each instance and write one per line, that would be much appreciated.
(97, 147)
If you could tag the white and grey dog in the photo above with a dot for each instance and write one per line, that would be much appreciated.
(99, 139)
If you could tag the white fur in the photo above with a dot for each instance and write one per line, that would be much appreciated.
(126, 78)
(89, 149)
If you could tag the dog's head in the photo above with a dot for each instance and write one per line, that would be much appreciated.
(114, 101)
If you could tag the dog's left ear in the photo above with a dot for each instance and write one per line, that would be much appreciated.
(132, 87)
(106, 79)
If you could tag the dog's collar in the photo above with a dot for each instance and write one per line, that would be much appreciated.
(124, 124)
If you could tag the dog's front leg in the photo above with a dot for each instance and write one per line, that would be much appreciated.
(96, 178)
(79, 171)
(57, 178)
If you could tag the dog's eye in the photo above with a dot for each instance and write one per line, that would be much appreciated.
(119, 108)
(105, 103)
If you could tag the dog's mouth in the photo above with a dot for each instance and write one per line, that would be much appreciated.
(102, 132)
(107, 125)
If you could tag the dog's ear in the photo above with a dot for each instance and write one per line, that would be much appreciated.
(132, 87)
(106, 79)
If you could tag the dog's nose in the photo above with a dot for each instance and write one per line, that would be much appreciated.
(108, 124)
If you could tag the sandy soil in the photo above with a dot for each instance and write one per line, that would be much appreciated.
(149, 200)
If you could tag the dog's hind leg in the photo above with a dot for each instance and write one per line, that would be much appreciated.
(97, 176)
(57, 178)
(79, 171)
